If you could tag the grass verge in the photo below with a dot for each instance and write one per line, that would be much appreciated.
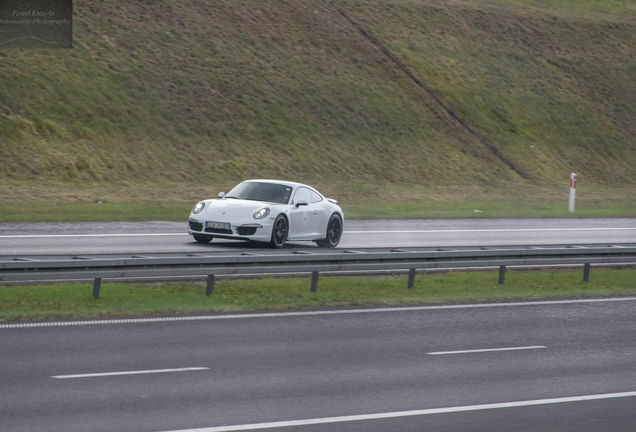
(172, 202)
(74, 300)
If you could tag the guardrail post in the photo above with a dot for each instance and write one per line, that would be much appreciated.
(502, 274)
(411, 278)
(586, 272)
(97, 283)
(314, 281)
(210, 287)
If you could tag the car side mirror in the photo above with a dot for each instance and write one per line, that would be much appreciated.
(221, 195)
(301, 202)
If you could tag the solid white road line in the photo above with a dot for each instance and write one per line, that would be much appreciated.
(129, 373)
(92, 235)
(308, 313)
(397, 414)
(344, 232)
(486, 350)
(488, 230)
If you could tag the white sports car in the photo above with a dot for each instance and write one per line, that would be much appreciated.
(270, 211)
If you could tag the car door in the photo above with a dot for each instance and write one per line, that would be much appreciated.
(303, 219)
(319, 213)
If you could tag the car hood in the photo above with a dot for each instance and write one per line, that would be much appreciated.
(233, 207)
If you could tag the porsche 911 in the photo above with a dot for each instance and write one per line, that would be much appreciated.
(268, 211)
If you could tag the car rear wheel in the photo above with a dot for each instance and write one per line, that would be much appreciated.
(279, 232)
(203, 239)
(334, 232)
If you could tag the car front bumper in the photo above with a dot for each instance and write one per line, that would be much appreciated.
(255, 231)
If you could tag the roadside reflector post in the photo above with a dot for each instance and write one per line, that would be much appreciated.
(572, 192)
(210, 286)
(314, 281)
(502, 274)
(411, 278)
(586, 272)
(97, 283)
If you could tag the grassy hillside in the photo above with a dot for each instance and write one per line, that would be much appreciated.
(186, 94)
(553, 91)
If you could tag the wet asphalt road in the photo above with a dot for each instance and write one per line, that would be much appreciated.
(157, 237)
(540, 366)
(519, 367)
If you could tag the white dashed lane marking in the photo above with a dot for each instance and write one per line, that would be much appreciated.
(139, 372)
(486, 350)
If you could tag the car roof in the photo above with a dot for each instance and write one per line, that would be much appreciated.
(282, 182)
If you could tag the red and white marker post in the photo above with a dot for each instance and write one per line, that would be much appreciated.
(572, 191)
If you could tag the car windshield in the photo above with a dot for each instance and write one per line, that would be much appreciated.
(261, 191)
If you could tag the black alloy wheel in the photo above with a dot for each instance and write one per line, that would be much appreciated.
(334, 232)
(279, 232)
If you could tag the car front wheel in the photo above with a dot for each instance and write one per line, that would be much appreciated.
(334, 232)
(203, 239)
(279, 232)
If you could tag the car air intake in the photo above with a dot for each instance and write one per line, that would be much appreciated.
(246, 231)
(218, 231)
(196, 226)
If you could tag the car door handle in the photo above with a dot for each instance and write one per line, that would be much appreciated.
(315, 211)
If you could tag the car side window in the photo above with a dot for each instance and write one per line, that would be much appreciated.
(315, 197)
(304, 193)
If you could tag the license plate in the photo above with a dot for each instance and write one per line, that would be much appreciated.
(217, 225)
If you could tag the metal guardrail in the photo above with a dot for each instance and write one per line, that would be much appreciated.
(307, 261)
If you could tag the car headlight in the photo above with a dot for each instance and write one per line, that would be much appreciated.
(197, 208)
(261, 213)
